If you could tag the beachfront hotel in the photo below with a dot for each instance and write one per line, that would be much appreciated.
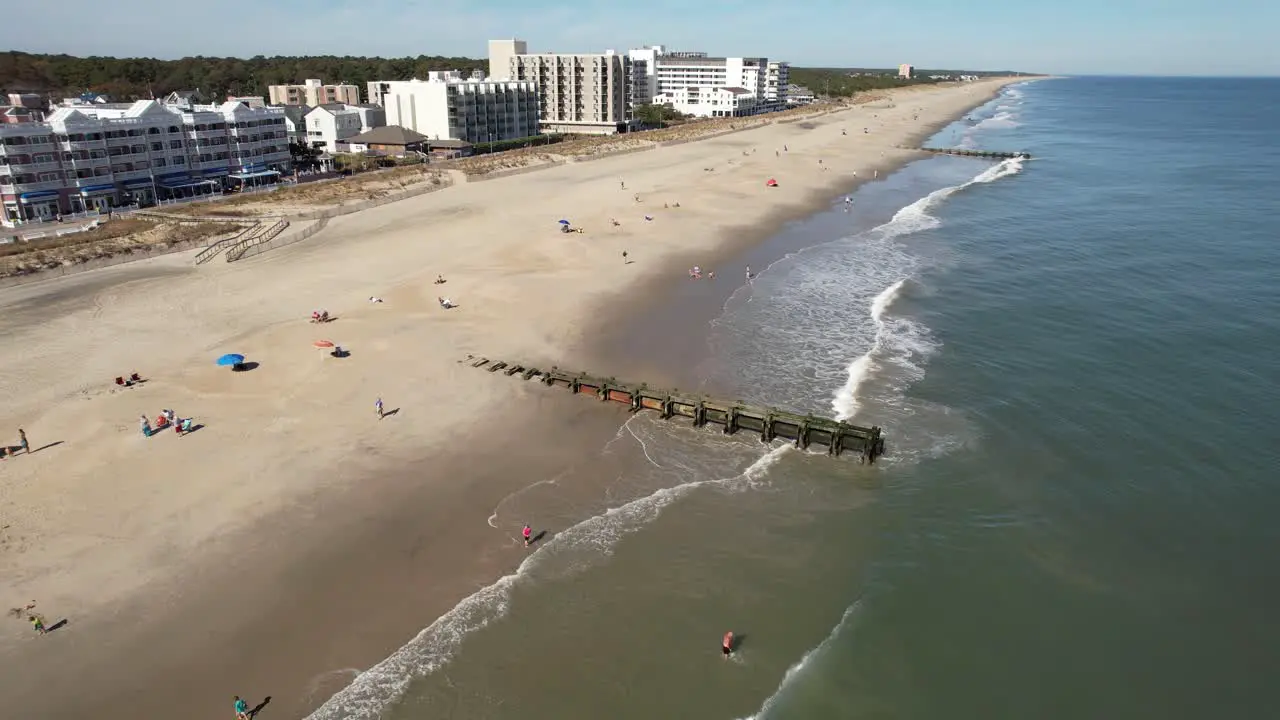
(695, 84)
(578, 93)
(449, 106)
(94, 157)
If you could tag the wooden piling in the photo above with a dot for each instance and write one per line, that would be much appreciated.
(987, 154)
(771, 423)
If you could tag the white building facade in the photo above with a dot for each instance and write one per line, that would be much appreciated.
(105, 155)
(691, 82)
(578, 93)
(449, 106)
(644, 73)
(777, 85)
(328, 125)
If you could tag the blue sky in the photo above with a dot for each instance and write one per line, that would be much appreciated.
(1165, 37)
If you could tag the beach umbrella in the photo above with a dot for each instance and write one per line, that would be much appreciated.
(323, 343)
(565, 222)
(230, 359)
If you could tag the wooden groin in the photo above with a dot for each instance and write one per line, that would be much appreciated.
(988, 154)
(771, 423)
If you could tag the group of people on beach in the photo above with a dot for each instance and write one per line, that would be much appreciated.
(166, 419)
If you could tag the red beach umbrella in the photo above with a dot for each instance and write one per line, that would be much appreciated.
(323, 343)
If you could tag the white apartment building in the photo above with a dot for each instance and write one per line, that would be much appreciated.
(379, 88)
(906, 71)
(705, 101)
(689, 82)
(644, 73)
(105, 155)
(328, 125)
(313, 93)
(578, 93)
(447, 106)
(777, 84)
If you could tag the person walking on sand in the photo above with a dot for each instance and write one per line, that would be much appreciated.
(527, 532)
(242, 709)
(22, 441)
(377, 406)
(37, 624)
(624, 257)
(145, 424)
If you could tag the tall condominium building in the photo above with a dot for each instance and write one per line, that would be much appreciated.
(447, 106)
(313, 93)
(777, 84)
(100, 156)
(644, 73)
(905, 71)
(579, 93)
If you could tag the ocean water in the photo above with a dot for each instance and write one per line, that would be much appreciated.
(1075, 361)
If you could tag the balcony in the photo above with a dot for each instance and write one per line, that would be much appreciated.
(34, 186)
(128, 157)
(32, 167)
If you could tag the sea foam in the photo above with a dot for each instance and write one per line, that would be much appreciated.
(375, 689)
(900, 341)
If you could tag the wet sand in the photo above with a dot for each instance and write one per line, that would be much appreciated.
(285, 545)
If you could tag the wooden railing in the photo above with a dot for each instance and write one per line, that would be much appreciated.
(211, 251)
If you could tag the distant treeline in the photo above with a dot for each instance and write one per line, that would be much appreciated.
(134, 78)
(843, 82)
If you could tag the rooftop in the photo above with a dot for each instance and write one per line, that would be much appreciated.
(389, 135)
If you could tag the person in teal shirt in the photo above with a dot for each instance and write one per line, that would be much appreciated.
(242, 709)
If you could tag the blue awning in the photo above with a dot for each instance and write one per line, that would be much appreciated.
(216, 173)
(258, 174)
(146, 182)
(166, 176)
(253, 167)
(40, 195)
(97, 188)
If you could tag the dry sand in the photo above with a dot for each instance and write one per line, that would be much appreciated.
(128, 536)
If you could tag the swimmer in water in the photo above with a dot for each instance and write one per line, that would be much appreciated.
(528, 535)
(727, 646)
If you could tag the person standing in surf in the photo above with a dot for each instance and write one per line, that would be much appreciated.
(727, 645)
(527, 532)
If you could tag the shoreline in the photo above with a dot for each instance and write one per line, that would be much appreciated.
(281, 610)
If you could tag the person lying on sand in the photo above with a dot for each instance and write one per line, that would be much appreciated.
(445, 303)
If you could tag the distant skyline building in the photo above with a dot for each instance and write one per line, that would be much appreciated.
(588, 93)
(313, 93)
(906, 71)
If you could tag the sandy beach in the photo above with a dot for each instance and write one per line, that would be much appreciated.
(294, 538)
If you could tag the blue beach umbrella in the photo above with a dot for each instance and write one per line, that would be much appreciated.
(230, 359)
(564, 222)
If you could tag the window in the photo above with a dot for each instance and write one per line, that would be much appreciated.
(157, 146)
(179, 160)
(175, 144)
(159, 162)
